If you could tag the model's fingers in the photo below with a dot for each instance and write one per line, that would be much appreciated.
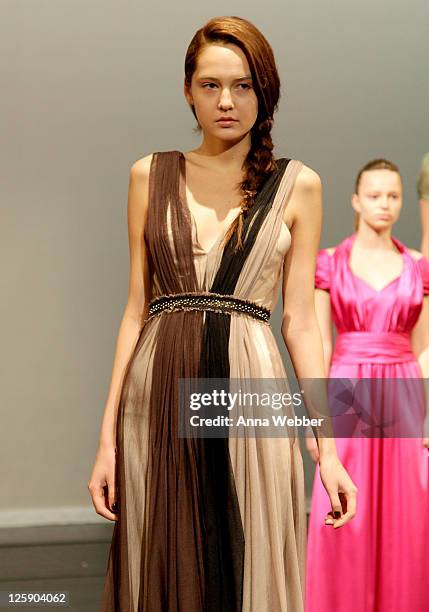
(343, 520)
(343, 501)
(335, 504)
(98, 497)
(351, 503)
(111, 495)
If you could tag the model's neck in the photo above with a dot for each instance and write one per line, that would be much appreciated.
(369, 238)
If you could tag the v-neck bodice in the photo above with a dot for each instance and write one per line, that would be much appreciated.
(396, 279)
(357, 306)
(185, 203)
(263, 276)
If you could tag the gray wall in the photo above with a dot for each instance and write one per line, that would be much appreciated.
(88, 88)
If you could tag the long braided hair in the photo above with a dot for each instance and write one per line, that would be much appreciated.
(259, 162)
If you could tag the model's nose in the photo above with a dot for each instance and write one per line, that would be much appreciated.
(225, 101)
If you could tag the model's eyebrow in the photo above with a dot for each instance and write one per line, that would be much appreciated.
(213, 78)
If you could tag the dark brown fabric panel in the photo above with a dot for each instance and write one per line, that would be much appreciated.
(174, 550)
(174, 553)
(174, 276)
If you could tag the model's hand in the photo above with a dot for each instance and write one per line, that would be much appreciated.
(313, 449)
(341, 490)
(425, 442)
(102, 483)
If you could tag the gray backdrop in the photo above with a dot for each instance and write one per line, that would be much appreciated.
(88, 88)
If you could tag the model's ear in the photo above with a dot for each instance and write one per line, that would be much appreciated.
(356, 203)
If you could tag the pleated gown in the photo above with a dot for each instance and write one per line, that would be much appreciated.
(378, 562)
(206, 525)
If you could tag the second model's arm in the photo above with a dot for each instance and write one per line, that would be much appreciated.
(324, 318)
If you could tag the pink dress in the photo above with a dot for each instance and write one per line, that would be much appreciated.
(379, 562)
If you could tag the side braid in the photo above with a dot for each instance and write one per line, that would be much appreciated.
(258, 166)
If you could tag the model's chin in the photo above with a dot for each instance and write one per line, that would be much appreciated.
(228, 133)
(382, 223)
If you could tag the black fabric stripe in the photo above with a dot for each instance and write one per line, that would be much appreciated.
(224, 536)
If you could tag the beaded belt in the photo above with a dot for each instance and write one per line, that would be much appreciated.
(215, 302)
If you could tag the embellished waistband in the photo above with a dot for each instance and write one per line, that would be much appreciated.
(373, 347)
(216, 302)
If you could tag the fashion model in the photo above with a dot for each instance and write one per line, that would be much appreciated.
(213, 524)
(375, 291)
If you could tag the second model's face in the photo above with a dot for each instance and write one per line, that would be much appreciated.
(379, 198)
(222, 88)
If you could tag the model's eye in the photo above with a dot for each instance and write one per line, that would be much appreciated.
(209, 85)
(244, 85)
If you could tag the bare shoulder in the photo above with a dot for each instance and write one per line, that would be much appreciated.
(308, 181)
(140, 168)
(415, 254)
(305, 203)
(138, 191)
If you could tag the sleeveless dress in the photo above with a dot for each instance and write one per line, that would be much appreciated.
(378, 562)
(217, 525)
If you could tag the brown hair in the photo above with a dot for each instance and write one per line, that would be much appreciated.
(375, 164)
(259, 162)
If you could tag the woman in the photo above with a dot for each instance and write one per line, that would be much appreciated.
(374, 289)
(214, 524)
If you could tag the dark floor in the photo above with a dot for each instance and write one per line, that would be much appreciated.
(59, 558)
(69, 558)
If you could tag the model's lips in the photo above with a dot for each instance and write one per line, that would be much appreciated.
(226, 120)
(226, 123)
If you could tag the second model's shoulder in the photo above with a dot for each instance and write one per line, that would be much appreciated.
(329, 250)
(416, 254)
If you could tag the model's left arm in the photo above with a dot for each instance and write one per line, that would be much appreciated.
(420, 335)
(300, 329)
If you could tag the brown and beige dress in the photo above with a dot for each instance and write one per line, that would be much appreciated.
(206, 525)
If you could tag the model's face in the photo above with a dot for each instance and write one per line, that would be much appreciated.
(222, 87)
(379, 198)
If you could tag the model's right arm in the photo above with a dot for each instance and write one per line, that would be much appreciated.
(139, 295)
